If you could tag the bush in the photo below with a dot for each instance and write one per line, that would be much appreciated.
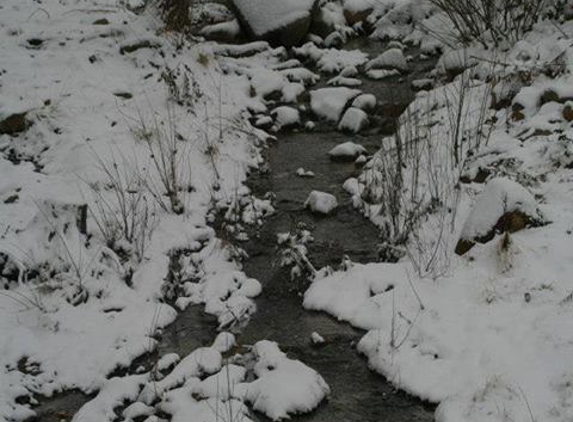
(492, 21)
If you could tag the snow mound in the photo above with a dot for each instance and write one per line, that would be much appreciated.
(354, 120)
(283, 386)
(500, 196)
(390, 59)
(329, 103)
(321, 202)
(347, 150)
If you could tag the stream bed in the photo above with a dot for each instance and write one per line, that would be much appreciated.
(358, 394)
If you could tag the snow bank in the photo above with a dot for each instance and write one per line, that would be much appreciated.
(283, 386)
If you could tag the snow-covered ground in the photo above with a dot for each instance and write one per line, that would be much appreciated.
(132, 137)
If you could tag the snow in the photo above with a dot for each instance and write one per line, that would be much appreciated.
(283, 386)
(365, 102)
(224, 342)
(88, 320)
(357, 5)
(321, 202)
(329, 103)
(230, 29)
(285, 116)
(347, 150)
(331, 60)
(378, 74)
(500, 196)
(392, 58)
(265, 16)
(316, 338)
(301, 172)
(353, 120)
(343, 81)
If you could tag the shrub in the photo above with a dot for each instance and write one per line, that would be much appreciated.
(492, 21)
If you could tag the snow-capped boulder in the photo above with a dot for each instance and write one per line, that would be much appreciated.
(327, 19)
(329, 103)
(280, 22)
(354, 120)
(357, 10)
(348, 151)
(391, 59)
(224, 32)
(321, 202)
(283, 386)
(365, 102)
(503, 206)
(285, 117)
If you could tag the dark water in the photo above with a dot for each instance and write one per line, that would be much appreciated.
(358, 394)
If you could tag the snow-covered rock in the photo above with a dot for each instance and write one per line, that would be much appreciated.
(282, 22)
(344, 81)
(300, 172)
(316, 338)
(348, 151)
(329, 103)
(357, 10)
(331, 60)
(283, 386)
(223, 31)
(224, 342)
(378, 74)
(390, 59)
(354, 120)
(321, 202)
(285, 117)
(366, 102)
(328, 19)
(504, 205)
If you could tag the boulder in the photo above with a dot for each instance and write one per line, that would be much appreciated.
(357, 10)
(353, 120)
(391, 59)
(280, 22)
(329, 103)
(13, 124)
(321, 202)
(503, 206)
(327, 19)
(347, 151)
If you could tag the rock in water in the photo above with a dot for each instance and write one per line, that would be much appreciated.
(280, 22)
(348, 151)
(321, 202)
(353, 121)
